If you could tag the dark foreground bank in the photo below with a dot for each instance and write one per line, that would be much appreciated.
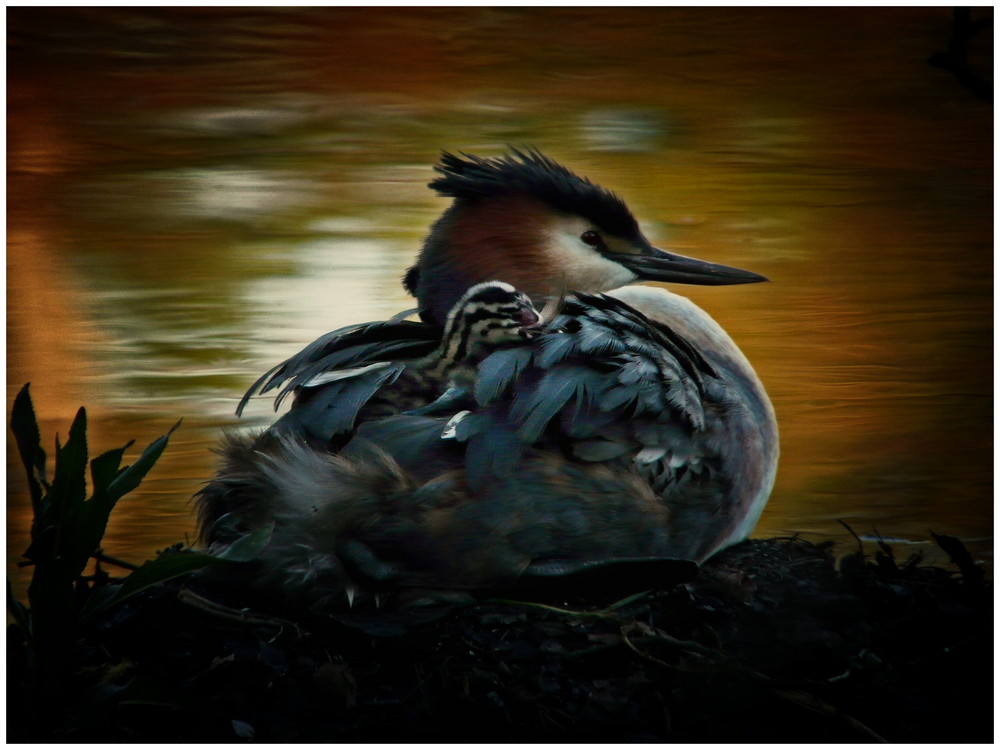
(773, 641)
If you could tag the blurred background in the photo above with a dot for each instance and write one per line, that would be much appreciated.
(195, 194)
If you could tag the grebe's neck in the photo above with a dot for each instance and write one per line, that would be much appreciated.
(480, 240)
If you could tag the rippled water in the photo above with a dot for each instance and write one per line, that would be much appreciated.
(195, 194)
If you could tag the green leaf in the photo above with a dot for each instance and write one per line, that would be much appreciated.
(25, 428)
(80, 525)
(110, 485)
(143, 691)
(164, 568)
(248, 547)
(67, 529)
(100, 598)
(130, 477)
(19, 612)
(104, 468)
(69, 485)
(92, 521)
(42, 548)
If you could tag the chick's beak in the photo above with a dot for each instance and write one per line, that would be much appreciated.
(529, 322)
(528, 318)
(653, 264)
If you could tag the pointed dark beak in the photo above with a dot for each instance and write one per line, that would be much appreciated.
(653, 264)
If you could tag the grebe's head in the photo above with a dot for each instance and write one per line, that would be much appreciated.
(532, 222)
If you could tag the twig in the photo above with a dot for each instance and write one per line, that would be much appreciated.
(659, 635)
(627, 600)
(101, 557)
(807, 700)
(602, 614)
(186, 596)
(861, 546)
(796, 696)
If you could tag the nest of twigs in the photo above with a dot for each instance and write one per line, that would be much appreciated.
(772, 641)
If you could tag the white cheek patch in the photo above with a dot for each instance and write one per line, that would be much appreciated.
(586, 269)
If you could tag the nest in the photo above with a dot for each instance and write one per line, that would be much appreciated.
(772, 641)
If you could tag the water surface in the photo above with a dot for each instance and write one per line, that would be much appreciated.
(194, 194)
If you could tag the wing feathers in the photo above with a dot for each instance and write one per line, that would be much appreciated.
(602, 381)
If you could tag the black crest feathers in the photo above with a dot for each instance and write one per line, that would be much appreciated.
(468, 177)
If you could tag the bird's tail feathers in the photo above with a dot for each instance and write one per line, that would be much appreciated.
(315, 500)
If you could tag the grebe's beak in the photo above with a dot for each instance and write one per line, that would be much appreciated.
(653, 264)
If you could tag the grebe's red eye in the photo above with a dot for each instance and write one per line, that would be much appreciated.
(592, 238)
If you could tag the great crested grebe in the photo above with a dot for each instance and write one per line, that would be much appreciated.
(629, 426)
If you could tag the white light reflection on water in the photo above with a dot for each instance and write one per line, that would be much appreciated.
(334, 282)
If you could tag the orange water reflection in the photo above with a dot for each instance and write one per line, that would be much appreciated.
(193, 194)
